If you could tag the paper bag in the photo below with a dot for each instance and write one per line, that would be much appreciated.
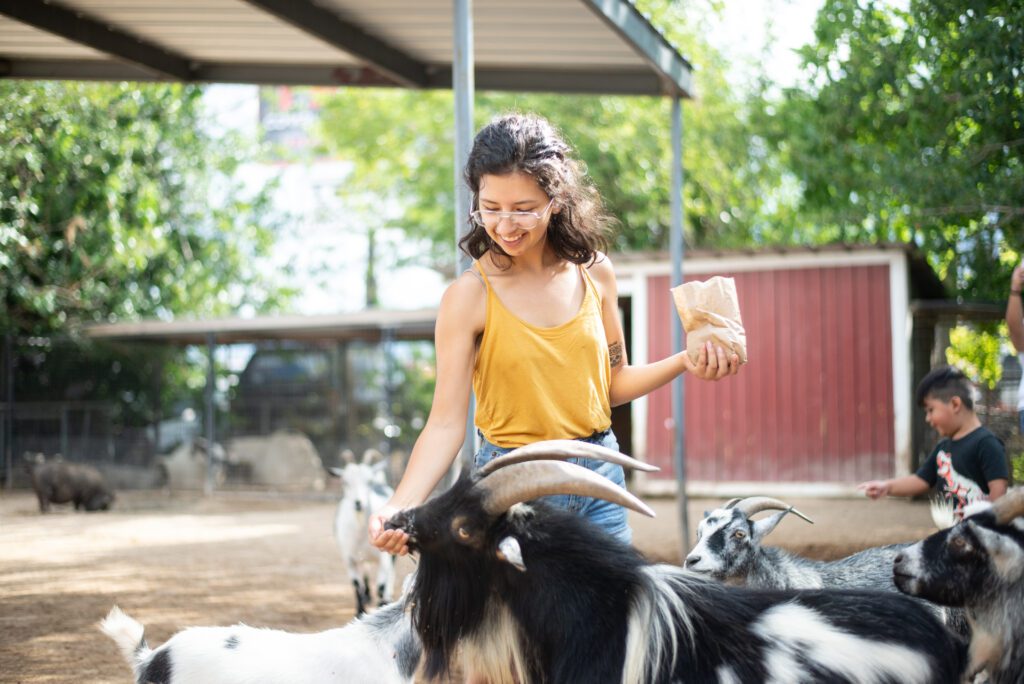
(710, 310)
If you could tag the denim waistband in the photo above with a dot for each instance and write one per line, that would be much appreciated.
(595, 436)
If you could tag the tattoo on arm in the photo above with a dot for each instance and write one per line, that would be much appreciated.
(615, 353)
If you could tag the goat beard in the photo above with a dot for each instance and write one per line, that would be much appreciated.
(444, 612)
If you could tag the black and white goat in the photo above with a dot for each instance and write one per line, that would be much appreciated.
(380, 647)
(978, 564)
(364, 491)
(562, 601)
(729, 549)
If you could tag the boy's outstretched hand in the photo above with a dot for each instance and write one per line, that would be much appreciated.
(874, 488)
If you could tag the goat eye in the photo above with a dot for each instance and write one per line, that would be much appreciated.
(739, 534)
(463, 533)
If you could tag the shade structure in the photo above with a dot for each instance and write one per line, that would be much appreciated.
(579, 46)
(564, 46)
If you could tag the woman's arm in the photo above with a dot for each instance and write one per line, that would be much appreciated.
(459, 320)
(630, 382)
(1015, 309)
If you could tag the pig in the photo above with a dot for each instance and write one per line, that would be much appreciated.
(56, 481)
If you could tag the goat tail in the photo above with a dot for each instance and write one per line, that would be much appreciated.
(129, 635)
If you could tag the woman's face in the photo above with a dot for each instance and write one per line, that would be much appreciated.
(515, 192)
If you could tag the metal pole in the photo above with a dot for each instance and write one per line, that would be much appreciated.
(678, 385)
(8, 426)
(211, 379)
(463, 89)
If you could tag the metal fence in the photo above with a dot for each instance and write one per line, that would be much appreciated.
(131, 408)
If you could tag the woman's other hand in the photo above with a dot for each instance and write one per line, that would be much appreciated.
(391, 541)
(713, 363)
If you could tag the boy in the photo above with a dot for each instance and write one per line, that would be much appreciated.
(968, 464)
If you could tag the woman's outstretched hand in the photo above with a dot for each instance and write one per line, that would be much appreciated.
(713, 363)
(391, 541)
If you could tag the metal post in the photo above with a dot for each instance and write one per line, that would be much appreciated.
(211, 379)
(8, 426)
(678, 385)
(463, 89)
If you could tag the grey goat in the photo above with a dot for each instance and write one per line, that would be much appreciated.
(729, 549)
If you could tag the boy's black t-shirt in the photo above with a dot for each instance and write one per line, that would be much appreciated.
(962, 468)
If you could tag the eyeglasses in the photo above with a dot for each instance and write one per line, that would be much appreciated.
(520, 219)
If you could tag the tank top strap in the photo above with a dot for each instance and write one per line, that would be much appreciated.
(482, 276)
(590, 284)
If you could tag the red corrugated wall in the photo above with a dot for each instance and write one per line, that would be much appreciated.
(814, 403)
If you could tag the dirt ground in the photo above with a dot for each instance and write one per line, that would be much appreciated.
(264, 560)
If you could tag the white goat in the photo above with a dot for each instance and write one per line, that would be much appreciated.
(380, 647)
(364, 491)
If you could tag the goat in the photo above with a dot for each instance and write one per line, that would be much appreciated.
(380, 647)
(365, 490)
(562, 601)
(729, 550)
(977, 564)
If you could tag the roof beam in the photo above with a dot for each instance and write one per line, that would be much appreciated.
(638, 81)
(84, 30)
(627, 22)
(334, 30)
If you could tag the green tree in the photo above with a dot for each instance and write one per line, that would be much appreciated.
(909, 126)
(401, 146)
(114, 205)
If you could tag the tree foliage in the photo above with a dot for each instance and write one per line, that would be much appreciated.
(115, 205)
(909, 126)
(401, 144)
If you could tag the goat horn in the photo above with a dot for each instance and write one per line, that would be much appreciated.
(560, 450)
(1010, 506)
(756, 504)
(731, 502)
(526, 481)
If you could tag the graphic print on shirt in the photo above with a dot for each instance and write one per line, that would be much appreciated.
(957, 486)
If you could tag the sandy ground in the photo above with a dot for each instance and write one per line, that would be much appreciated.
(264, 560)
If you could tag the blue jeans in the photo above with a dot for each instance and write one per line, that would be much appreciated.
(609, 516)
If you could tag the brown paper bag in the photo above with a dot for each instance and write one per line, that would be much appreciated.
(710, 310)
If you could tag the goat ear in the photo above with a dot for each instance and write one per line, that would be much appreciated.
(764, 526)
(509, 552)
(335, 472)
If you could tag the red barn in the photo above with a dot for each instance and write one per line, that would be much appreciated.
(825, 400)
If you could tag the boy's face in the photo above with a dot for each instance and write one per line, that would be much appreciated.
(943, 416)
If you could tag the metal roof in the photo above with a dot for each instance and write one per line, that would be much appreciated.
(595, 46)
(371, 324)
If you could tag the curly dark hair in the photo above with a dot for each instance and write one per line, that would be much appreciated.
(530, 144)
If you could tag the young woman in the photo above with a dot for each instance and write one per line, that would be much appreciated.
(533, 327)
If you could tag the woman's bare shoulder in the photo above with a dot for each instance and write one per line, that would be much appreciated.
(602, 271)
(464, 302)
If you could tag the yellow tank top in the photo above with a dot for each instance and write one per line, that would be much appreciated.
(534, 383)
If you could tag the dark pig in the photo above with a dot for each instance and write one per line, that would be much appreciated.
(61, 482)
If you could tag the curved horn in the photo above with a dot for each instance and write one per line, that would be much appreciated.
(560, 450)
(731, 502)
(756, 504)
(525, 481)
(1010, 506)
